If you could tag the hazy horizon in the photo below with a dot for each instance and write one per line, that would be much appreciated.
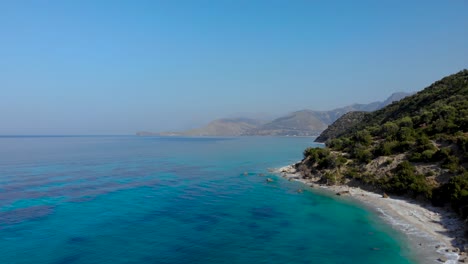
(105, 67)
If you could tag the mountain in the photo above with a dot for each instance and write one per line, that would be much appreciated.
(311, 123)
(417, 147)
(393, 98)
(225, 127)
(341, 125)
(299, 123)
(218, 127)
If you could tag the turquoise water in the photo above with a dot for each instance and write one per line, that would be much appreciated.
(131, 199)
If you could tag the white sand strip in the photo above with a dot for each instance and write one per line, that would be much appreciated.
(436, 234)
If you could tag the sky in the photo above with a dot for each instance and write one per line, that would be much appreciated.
(117, 67)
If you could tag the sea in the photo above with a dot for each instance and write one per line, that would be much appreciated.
(129, 199)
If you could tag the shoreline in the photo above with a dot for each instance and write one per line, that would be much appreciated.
(435, 234)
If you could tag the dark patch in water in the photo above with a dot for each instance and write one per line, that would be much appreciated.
(25, 214)
(81, 199)
(171, 182)
(176, 214)
(77, 240)
(285, 223)
(360, 221)
(68, 259)
(264, 212)
(315, 217)
(209, 219)
(202, 227)
(253, 226)
(301, 248)
(266, 234)
(73, 184)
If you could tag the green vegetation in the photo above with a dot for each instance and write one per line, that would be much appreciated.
(406, 181)
(420, 142)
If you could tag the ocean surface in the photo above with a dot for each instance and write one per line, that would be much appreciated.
(128, 199)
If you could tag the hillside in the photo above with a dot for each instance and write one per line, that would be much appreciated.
(417, 146)
(340, 126)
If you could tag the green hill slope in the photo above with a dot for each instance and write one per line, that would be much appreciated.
(341, 125)
(417, 146)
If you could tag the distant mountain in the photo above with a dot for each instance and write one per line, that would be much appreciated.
(311, 123)
(225, 127)
(299, 123)
(393, 98)
(218, 127)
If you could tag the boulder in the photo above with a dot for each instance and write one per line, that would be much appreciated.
(442, 259)
(342, 193)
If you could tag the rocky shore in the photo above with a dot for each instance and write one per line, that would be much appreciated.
(436, 234)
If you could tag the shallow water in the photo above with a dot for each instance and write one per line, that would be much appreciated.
(175, 200)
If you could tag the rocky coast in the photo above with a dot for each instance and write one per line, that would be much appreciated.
(435, 233)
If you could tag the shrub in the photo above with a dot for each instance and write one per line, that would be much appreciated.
(386, 148)
(415, 157)
(341, 161)
(403, 146)
(443, 153)
(406, 134)
(406, 122)
(315, 153)
(333, 178)
(457, 190)
(374, 130)
(462, 143)
(336, 144)
(362, 154)
(389, 129)
(451, 163)
(352, 172)
(363, 137)
(327, 162)
(427, 155)
(405, 180)
(426, 117)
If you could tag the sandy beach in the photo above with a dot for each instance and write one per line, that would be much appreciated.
(435, 233)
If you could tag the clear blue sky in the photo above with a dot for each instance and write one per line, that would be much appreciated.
(116, 67)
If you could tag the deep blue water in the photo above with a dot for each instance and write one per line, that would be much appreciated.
(82, 200)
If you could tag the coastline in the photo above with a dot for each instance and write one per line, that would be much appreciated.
(435, 234)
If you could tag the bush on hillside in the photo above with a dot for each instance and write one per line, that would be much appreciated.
(406, 180)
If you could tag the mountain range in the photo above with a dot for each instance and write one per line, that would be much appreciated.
(300, 123)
